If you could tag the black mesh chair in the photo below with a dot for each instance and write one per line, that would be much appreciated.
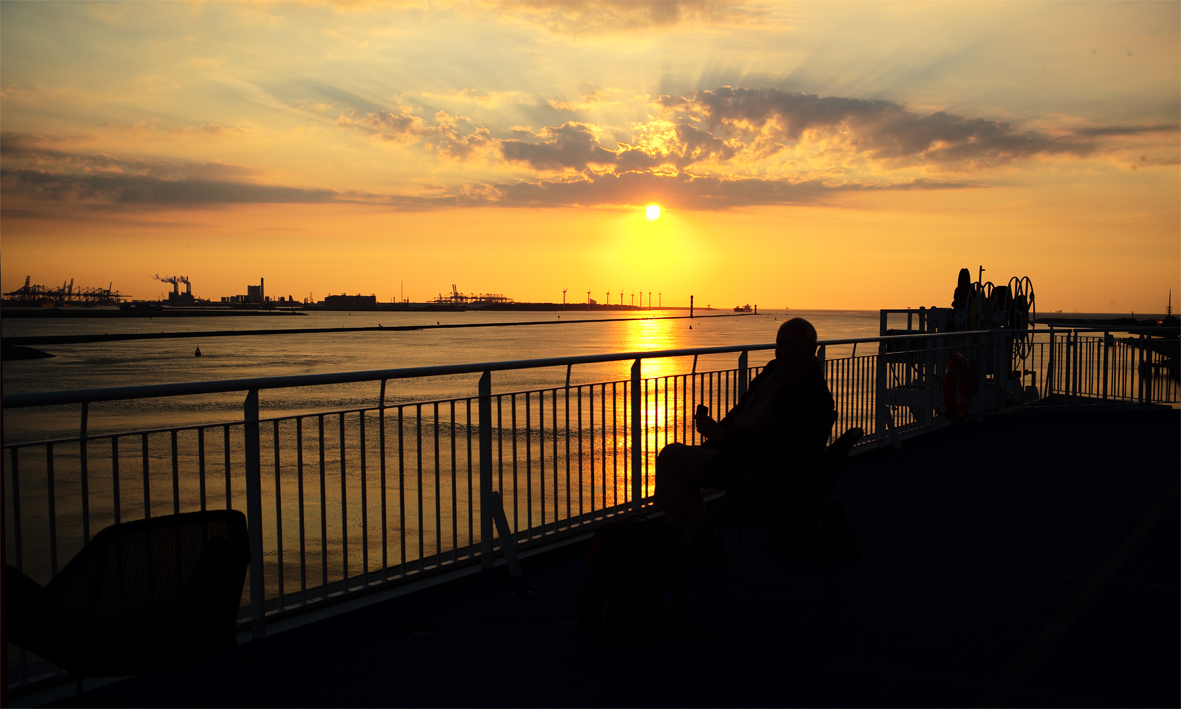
(795, 518)
(142, 596)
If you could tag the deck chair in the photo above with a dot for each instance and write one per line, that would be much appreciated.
(141, 597)
(795, 519)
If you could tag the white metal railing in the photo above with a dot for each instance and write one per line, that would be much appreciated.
(343, 501)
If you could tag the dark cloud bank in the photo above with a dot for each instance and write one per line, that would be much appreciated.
(717, 128)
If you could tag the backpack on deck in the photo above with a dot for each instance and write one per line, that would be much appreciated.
(622, 594)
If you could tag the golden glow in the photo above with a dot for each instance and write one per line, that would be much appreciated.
(180, 138)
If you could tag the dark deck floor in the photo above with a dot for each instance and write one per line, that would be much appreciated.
(1029, 560)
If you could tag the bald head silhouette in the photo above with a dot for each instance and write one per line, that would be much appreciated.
(795, 341)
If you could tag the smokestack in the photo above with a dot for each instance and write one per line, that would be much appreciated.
(262, 291)
(690, 306)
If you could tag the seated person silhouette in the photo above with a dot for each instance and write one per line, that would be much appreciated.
(779, 429)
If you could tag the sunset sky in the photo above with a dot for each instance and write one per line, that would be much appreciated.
(811, 155)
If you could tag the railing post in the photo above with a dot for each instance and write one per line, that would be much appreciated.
(486, 502)
(1068, 368)
(254, 515)
(879, 396)
(1142, 368)
(1048, 382)
(83, 437)
(1075, 368)
(637, 438)
(1106, 352)
(929, 385)
(981, 377)
(1002, 365)
(742, 373)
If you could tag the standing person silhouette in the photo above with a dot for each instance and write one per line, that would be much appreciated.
(780, 426)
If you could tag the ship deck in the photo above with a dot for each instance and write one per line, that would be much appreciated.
(1032, 559)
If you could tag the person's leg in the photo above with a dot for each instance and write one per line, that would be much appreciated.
(678, 470)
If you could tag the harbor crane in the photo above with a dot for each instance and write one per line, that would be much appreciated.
(33, 295)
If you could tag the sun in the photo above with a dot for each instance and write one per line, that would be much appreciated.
(652, 211)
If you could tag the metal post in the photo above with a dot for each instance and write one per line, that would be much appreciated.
(879, 396)
(1066, 363)
(929, 386)
(486, 469)
(82, 462)
(637, 438)
(254, 515)
(1048, 382)
(1074, 364)
(1142, 368)
(742, 374)
(1106, 353)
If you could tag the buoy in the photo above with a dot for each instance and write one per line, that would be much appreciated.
(690, 327)
(197, 353)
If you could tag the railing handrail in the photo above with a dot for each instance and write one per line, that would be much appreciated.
(1118, 328)
(221, 386)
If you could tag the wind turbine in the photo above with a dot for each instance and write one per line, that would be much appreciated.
(564, 299)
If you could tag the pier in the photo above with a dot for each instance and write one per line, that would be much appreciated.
(1040, 572)
(117, 337)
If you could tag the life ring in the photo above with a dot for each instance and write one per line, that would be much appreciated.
(957, 387)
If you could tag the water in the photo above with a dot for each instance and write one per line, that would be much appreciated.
(352, 493)
(349, 494)
(138, 362)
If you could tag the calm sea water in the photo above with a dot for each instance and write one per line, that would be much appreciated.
(315, 478)
(139, 362)
(363, 491)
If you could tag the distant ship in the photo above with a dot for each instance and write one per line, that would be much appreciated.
(743, 309)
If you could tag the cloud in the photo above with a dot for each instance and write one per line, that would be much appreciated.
(727, 130)
(1105, 131)
(401, 127)
(484, 99)
(585, 18)
(150, 128)
(28, 151)
(689, 192)
(452, 136)
(632, 189)
(259, 95)
(148, 190)
(591, 98)
(205, 129)
(456, 144)
(768, 120)
(571, 145)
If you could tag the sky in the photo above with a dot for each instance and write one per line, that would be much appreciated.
(805, 155)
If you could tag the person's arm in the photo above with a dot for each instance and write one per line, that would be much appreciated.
(709, 429)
